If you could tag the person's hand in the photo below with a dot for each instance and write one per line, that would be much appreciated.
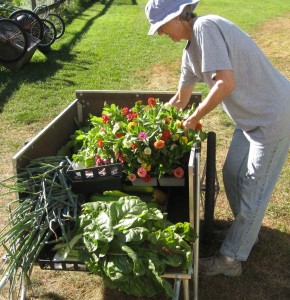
(177, 103)
(191, 123)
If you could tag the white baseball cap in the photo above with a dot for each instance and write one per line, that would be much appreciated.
(159, 12)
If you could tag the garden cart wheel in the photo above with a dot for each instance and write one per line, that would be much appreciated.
(49, 34)
(58, 23)
(13, 41)
(29, 21)
(210, 187)
(42, 11)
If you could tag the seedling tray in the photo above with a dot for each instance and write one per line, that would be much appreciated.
(47, 261)
(96, 179)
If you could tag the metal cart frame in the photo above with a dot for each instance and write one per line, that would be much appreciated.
(194, 187)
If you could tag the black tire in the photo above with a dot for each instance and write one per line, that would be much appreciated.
(29, 21)
(13, 41)
(210, 191)
(49, 34)
(58, 23)
(42, 11)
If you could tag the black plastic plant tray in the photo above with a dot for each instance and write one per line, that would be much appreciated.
(56, 265)
(96, 179)
(46, 261)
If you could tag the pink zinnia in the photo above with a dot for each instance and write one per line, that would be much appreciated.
(178, 172)
(142, 172)
(142, 136)
(132, 177)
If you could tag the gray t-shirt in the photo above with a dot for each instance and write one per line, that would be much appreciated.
(260, 103)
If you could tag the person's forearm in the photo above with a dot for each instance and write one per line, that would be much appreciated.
(216, 95)
(182, 97)
(222, 88)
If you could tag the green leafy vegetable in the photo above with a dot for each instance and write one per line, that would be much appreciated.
(130, 244)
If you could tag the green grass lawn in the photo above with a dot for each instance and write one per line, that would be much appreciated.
(105, 47)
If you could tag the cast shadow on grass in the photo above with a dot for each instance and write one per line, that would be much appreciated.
(265, 273)
(53, 296)
(10, 81)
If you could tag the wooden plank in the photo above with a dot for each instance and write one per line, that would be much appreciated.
(93, 100)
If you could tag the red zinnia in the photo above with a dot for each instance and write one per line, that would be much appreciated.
(119, 135)
(134, 146)
(132, 116)
(125, 111)
(165, 134)
(198, 127)
(121, 158)
(151, 101)
(167, 120)
(105, 119)
(100, 143)
(147, 178)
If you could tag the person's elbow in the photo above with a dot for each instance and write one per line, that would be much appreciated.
(226, 82)
(227, 86)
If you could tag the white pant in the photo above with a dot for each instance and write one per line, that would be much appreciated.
(250, 174)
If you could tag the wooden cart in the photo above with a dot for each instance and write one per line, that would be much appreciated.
(57, 133)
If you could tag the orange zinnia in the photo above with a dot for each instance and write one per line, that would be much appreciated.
(159, 144)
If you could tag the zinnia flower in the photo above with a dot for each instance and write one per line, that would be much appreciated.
(198, 127)
(183, 140)
(178, 172)
(134, 146)
(125, 111)
(116, 127)
(142, 136)
(132, 116)
(142, 172)
(178, 124)
(151, 101)
(119, 135)
(121, 158)
(147, 151)
(146, 166)
(100, 143)
(175, 137)
(132, 177)
(131, 125)
(147, 178)
(159, 144)
(127, 144)
(105, 119)
(167, 105)
(167, 120)
(165, 134)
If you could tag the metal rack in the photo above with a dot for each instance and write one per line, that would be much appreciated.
(194, 217)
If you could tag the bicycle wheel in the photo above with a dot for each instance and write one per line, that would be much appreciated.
(210, 187)
(49, 33)
(42, 11)
(29, 21)
(13, 41)
(58, 23)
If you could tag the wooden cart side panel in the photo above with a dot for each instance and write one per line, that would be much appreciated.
(93, 100)
(49, 140)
